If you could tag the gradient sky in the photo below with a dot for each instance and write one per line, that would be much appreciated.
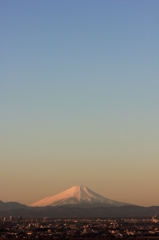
(79, 99)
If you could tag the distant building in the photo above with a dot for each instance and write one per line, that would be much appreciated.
(37, 225)
(154, 219)
(87, 230)
(73, 226)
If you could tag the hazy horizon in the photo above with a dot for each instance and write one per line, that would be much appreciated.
(79, 99)
(59, 193)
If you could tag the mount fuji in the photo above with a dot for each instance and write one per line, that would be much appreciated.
(76, 202)
(77, 195)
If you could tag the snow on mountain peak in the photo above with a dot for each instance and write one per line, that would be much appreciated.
(75, 195)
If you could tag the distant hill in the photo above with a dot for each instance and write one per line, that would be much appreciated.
(11, 205)
(79, 212)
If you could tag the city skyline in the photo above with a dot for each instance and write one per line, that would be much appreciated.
(79, 97)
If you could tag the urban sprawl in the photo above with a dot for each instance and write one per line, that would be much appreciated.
(46, 228)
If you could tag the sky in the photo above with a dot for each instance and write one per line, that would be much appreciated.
(79, 99)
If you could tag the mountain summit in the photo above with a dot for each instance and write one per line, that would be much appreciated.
(77, 195)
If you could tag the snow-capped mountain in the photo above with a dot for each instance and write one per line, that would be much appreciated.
(77, 195)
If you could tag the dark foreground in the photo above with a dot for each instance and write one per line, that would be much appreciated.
(121, 228)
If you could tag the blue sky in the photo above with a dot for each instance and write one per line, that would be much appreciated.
(79, 97)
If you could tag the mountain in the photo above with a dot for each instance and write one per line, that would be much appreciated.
(77, 195)
(76, 202)
(11, 205)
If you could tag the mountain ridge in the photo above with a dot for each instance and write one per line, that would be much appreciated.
(75, 211)
(11, 205)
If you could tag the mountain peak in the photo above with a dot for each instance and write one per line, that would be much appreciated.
(77, 194)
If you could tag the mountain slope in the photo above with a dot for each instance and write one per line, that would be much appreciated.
(76, 195)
